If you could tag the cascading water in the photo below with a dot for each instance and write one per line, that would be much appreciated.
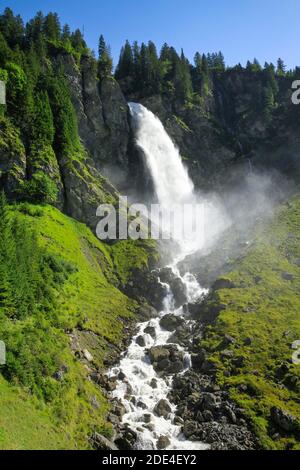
(142, 388)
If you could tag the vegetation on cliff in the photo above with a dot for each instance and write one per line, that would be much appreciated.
(250, 342)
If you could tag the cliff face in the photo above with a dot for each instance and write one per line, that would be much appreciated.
(226, 134)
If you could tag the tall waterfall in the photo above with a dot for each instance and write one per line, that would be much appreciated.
(136, 390)
(171, 181)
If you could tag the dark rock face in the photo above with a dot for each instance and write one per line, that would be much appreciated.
(178, 288)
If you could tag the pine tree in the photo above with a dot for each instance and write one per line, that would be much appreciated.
(125, 67)
(51, 27)
(281, 68)
(105, 63)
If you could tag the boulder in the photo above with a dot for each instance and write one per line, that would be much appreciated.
(170, 322)
(150, 330)
(100, 442)
(284, 420)
(162, 408)
(163, 442)
(189, 428)
(140, 340)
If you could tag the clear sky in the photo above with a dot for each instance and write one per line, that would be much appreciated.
(242, 29)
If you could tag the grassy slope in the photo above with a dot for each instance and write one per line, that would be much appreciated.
(265, 307)
(88, 298)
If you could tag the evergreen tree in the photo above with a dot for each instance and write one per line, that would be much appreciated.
(78, 41)
(281, 68)
(125, 67)
(105, 63)
(51, 27)
(12, 28)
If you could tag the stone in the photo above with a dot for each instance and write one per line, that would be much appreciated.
(189, 428)
(227, 354)
(87, 355)
(100, 442)
(140, 340)
(150, 330)
(158, 353)
(147, 418)
(198, 359)
(284, 420)
(162, 408)
(163, 442)
(153, 383)
(170, 322)
(209, 401)
(142, 405)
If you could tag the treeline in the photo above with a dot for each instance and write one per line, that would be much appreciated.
(38, 98)
(141, 69)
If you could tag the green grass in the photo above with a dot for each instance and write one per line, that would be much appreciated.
(60, 414)
(265, 307)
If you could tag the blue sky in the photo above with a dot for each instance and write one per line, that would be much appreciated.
(242, 29)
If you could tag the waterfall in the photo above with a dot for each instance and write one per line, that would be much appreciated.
(136, 390)
(171, 181)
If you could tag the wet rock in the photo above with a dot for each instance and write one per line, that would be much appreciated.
(158, 353)
(181, 336)
(175, 367)
(153, 383)
(198, 359)
(162, 408)
(284, 420)
(189, 428)
(178, 421)
(121, 376)
(146, 312)
(142, 405)
(163, 442)
(127, 438)
(140, 340)
(170, 322)
(167, 359)
(176, 284)
(147, 418)
(118, 409)
(100, 442)
(150, 330)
